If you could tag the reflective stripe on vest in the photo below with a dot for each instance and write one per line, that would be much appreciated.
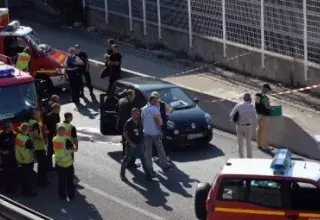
(23, 61)
(38, 142)
(23, 155)
(62, 156)
(68, 127)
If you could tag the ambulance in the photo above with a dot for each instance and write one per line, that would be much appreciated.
(18, 93)
(46, 63)
(282, 188)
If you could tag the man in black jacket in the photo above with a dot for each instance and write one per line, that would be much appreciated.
(84, 70)
(9, 163)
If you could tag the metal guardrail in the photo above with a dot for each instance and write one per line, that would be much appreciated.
(11, 210)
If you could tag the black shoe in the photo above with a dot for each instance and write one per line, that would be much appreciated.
(123, 177)
(150, 177)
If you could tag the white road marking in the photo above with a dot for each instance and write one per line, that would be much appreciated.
(121, 202)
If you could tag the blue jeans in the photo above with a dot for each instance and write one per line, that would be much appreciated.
(131, 153)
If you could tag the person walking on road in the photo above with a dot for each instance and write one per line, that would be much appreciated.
(133, 136)
(38, 140)
(24, 148)
(84, 70)
(151, 120)
(51, 120)
(62, 146)
(74, 64)
(262, 105)
(243, 114)
(9, 163)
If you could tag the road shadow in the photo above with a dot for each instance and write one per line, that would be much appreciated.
(48, 203)
(196, 153)
(92, 103)
(175, 180)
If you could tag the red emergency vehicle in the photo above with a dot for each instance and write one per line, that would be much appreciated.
(18, 92)
(46, 63)
(254, 189)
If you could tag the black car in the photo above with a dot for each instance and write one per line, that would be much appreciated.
(188, 124)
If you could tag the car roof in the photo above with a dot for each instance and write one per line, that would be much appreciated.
(19, 32)
(261, 167)
(145, 84)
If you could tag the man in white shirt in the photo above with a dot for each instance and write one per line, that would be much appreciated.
(152, 129)
(243, 114)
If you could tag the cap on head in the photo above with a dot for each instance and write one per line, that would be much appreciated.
(77, 46)
(111, 41)
(267, 86)
(71, 50)
(24, 127)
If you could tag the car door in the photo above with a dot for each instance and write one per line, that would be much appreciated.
(108, 113)
(248, 199)
(305, 201)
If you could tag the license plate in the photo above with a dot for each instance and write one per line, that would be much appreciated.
(193, 136)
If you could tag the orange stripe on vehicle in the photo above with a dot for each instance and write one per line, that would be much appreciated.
(49, 72)
(61, 58)
(309, 215)
(249, 211)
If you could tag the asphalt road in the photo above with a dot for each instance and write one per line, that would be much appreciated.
(102, 195)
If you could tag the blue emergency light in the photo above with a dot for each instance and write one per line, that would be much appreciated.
(7, 71)
(282, 160)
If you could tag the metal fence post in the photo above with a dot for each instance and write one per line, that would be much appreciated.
(130, 15)
(224, 28)
(305, 40)
(262, 33)
(159, 19)
(106, 11)
(144, 17)
(190, 23)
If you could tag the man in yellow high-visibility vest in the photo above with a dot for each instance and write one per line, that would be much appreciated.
(23, 60)
(37, 137)
(62, 147)
(24, 154)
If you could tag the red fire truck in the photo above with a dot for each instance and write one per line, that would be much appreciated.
(46, 63)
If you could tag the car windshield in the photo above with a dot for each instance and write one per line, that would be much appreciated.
(17, 99)
(35, 42)
(175, 97)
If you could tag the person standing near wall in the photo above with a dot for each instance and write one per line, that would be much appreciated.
(262, 105)
(242, 114)
(114, 63)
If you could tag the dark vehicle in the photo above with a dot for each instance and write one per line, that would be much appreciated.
(188, 124)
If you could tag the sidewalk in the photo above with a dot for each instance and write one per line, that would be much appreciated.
(301, 107)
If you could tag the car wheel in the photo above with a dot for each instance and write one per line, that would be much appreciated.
(202, 191)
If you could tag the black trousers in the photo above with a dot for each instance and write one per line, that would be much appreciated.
(111, 87)
(50, 151)
(26, 172)
(65, 182)
(75, 85)
(10, 168)
(87, 78)
(42, 165)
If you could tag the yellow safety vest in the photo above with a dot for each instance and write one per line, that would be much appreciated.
(23, 155)
(23, 61)
(39, 143)
(62, 156)
(68, 127)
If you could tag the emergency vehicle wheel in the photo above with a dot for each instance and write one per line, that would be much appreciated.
(200, 198)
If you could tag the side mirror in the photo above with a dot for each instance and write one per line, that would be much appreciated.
(196, 100)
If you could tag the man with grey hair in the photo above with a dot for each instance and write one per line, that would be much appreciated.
(151, 120)
(242, 115)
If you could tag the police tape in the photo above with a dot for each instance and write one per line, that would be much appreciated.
(277, 93)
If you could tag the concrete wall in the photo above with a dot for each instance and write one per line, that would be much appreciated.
(284, 132)
(278, 70)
